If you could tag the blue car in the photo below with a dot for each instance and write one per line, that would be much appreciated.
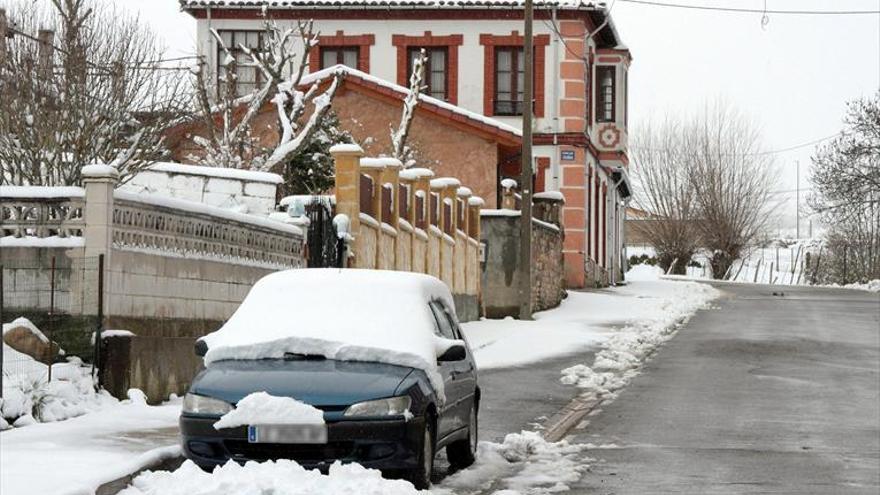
(389, 414)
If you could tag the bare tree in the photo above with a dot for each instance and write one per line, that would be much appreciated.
(732, 183)
(229, 141)
(95, 93)
(665, 190)
(846, 183)
(399, 136)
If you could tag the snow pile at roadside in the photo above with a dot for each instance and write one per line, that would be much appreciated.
(624, 352)
(524, 463)
(29, 397)
(350, 315)
(76, 456)
(282, 477)
(870, 286)
(264, 409)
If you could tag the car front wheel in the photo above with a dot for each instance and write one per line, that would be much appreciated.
(462, 453)
(420, 477)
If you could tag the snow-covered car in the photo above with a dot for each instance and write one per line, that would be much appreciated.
(379, 354)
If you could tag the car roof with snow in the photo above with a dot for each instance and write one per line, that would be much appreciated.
(346, 314)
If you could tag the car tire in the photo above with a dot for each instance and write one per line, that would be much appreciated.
(463, 453)
(420, 477)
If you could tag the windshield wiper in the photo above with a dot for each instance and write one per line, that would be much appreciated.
(296, 356)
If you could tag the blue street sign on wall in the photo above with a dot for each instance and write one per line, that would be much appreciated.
(567, 155)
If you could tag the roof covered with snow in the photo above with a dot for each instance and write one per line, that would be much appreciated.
(351, 315)
(408, 4)
(354, 75)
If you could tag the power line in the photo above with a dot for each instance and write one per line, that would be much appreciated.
(752, 11)
(757, 153)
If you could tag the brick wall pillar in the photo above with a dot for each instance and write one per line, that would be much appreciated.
(99, 182)
(508, 195)
(347, 160)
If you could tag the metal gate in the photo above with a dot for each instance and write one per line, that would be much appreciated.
(326, 249)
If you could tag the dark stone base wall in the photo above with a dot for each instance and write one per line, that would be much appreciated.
(500, 271)
(159, 359)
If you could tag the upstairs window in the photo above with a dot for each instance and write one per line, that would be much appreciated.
(509, 80)
(436, 70)
(249, 77)
(605, 91)
(339, 55)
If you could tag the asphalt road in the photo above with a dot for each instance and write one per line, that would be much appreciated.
(763, 394)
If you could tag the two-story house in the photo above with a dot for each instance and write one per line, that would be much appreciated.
(475, 62)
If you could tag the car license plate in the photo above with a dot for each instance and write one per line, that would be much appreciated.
(287, 434)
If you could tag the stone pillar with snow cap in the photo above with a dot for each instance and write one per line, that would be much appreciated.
(446, 187)
(99, 182)
(391, 175)
(348, 183)
(421, 189)
(462, 193)
(373, 169)
(508, 194)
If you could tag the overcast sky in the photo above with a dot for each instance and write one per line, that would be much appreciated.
(792, 76)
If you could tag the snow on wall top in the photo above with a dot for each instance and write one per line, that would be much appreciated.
(195, 207)
(351, 315)
(426, 4)
(41, 192)
(445, 182)
(381, 162)
(220, 172)
(554, 195)
(320, 75)
(416, 173)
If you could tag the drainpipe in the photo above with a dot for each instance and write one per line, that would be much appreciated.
(554, 162)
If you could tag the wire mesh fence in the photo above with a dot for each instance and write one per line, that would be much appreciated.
(50, 310)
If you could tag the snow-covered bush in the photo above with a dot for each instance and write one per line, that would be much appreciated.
(28, 396)
(311, 170)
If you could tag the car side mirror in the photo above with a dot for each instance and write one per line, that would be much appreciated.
(200, 348)
(454, 353)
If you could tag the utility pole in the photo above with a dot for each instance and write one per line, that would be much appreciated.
(3, 31)
(525, 231)
(797, 200)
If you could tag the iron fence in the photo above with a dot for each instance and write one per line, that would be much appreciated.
(50, 308)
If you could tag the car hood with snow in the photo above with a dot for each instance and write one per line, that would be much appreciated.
(345, 315)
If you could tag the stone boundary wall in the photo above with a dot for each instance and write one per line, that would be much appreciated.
(405, 220)
(244, 190)
(173, 269)
(500, 234)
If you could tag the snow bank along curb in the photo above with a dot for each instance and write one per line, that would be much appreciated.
(624, 353)
(524, 463)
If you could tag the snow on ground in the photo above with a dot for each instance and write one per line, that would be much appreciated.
(281, 477)
(29, 397)
(583, 321)
(524, 463)
(78, 455)
(624, 351)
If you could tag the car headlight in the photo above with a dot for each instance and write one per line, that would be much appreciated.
(199, 404)
(393, 406)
